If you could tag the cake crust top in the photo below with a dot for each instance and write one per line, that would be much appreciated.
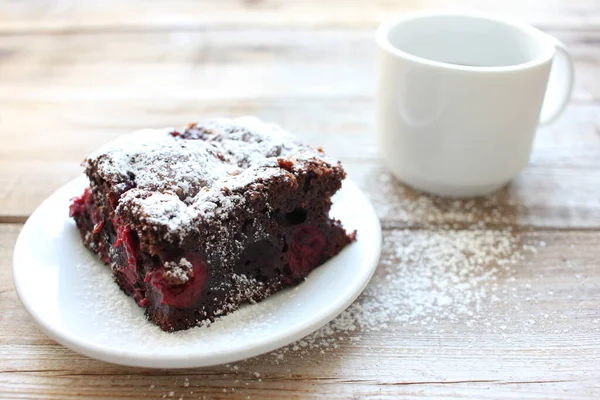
(171, 178)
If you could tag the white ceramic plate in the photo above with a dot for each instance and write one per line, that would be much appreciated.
(73, 299)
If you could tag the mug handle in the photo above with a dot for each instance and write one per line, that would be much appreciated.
(560, 84)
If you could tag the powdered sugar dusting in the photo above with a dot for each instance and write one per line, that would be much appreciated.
(178, 272)
(153, 160)
(158, 209)
(424, 277)
(249, 141)
(416, 209)
(171, 178)
(433, 275)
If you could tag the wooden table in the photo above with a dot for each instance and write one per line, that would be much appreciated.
(76, 74)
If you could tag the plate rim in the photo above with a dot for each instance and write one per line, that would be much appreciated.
(140, 359)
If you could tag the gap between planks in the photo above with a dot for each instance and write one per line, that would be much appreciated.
(13, 219)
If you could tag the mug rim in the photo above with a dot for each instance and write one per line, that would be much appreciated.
(382, 38)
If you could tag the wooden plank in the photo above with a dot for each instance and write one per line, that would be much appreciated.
(538, 339)
(71, 15)
(217, 65)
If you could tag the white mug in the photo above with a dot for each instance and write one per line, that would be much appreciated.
(459, 97)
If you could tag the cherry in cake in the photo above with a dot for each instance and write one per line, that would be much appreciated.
(196, 222)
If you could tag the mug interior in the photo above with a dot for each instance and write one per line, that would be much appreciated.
(468, 40)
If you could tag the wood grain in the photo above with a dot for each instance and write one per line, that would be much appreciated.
(541, 342)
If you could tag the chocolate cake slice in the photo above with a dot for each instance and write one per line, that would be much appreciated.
(194, 223)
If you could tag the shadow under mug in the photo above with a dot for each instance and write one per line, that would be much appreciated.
(460, 95)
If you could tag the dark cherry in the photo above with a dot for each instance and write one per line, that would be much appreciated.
(184, 295)
(103, 252)
(80, 205)
(113, 200)
(98, 227)
(130, 275)
(84, 204)
(306, 249)
(125, 238)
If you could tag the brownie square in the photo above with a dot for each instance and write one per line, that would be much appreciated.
(196, 222)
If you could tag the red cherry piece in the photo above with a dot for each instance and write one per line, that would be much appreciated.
(125, 238)
(98, 227)
(104, 255)
(81, 204)
(113, 200)
(129, 274)
(182, 295)
(307, 247)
